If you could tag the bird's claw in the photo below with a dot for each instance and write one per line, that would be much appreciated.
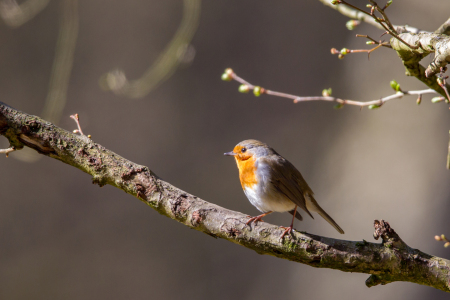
(254, 219)
(286, 231)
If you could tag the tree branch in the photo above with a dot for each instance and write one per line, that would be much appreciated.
(359, 15)
(390, 261)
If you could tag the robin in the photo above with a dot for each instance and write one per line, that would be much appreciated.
(271, 183)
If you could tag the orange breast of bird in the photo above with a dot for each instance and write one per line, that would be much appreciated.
(247, 172)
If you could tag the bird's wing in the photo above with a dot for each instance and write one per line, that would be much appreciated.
(286, 179)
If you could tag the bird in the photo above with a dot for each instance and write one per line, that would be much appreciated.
(272, 184)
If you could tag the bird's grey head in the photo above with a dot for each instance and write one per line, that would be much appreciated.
(249, 148)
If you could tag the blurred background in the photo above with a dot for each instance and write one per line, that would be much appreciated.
(62, 237)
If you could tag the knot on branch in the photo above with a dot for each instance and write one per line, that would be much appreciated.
(180, 205)
(230, 227)
(140, 191)
(375, 280)
(387, 234)
(129, 174)
(383, 230)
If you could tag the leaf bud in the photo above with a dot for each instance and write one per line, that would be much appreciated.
(243, 88)
(326, 92)
(374, 106)
(257, 91)
(394, 84)
(437, 99)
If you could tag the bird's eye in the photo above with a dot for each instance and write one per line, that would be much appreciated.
(243, 150)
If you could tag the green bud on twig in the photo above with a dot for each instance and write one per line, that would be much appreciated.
(228, 74)
(394, 84)
(326, 92)
(226, 77)
(243, 88)
(374, 106)
(257, 91)
(437, 99)
(344, 51)
(352, 24)
(419, 99)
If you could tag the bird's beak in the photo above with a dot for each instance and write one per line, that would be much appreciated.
(231, 153)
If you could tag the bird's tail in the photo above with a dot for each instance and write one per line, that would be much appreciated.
(330, 220)
(312, 205)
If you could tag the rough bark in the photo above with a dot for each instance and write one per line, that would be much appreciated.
(390, 261)
(427, 43)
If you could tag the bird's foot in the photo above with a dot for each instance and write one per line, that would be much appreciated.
(286, 231)
(255, 219)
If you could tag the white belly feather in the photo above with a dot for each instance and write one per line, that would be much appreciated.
(266, 202)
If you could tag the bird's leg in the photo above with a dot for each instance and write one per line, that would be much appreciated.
(258, 218)
(289, 229)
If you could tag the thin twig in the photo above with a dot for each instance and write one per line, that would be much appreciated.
(355, 8)
(367, 37)
(385, 23)
(441, 80)
(442, 85)
(383, 14)
(77, 120)
(374, 42)
(391, 27)
(368, 51)
(363, 16)
(399, 94)
(7, 151)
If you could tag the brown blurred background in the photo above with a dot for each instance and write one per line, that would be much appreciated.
(62, 237)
